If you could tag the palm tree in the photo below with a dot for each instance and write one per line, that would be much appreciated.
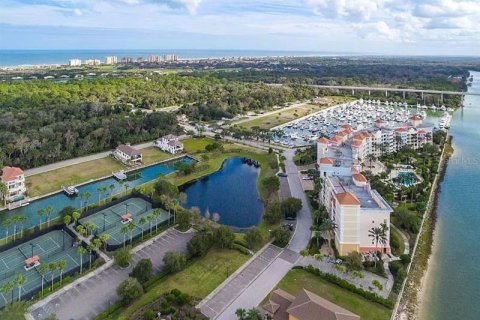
(142, 222)
(124, 231)
(43, 269)
(52, 267)
(14, 221)
(20, 280)
(48, 211)
(41, 213)
(67, 219)
(150, 218)
(104, 238)
(156, 214)
(182, 197)
(241, 313)
(328, 226)
(81, 230)
(81, 251)
(61, 265)
(6, 225)
(87, 196)
(254, 314)
(174, 204)
(378, 235)
(131, 227)
(100, 190)
(90, 248)
(126, 186)
(111, 187)
(5, 289)
(4, 192)
(75, 216)
(82, 196)
(22, 220)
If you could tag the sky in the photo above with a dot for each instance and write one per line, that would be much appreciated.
(398, 27)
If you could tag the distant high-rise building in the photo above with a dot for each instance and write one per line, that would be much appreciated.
(126, 60)
(111, 60)
(92, 62)
(74, 62)
(170, 57)
(140, 59)
(154, 59)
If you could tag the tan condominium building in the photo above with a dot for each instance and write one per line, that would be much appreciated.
(350, 201)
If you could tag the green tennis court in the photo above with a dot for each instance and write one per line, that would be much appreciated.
(50, 248)
(109, 220)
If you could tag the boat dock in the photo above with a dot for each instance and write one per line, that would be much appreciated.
(120, 175)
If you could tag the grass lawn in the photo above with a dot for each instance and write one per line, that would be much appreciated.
(192, 145)
(397, 251)
(297, 279)
(198, 279)
(152, 155)
(284, 116)
(53, 180)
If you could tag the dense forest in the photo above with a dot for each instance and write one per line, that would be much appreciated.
(44, 121)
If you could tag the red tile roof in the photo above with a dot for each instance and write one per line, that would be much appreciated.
(326, 161)
(323, 140)
(11, 173)
(359, 177)
(347, 199)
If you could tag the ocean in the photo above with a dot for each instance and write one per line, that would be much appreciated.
(11, 58)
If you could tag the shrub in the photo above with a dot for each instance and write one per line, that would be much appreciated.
(290, 207)
(340, 267)
(281, 236)
(174, 261)
(142, 270)
(377, 284)
(122, 257)
(149, 315)
(272, 214)
(358, 274)
(371, 296)
(200, 244)
(129, 290)
(240, 248)
(253, 237)
(223, 237)
(354, 261)
(405, 258)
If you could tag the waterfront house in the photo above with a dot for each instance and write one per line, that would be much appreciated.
(14, 179)
(127, 154)
(305, 306)
(170, 144)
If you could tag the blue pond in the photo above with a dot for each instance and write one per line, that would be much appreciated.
(232, 192)
(60, 200)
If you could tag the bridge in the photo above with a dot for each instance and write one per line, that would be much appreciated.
(389, 89)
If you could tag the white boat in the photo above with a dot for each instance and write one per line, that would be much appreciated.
(70, 191)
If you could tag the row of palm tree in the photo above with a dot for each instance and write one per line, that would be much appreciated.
(52, 267)
(378, 235)
(19, 281)
(130, 227)
(15, 221)
(45, 212)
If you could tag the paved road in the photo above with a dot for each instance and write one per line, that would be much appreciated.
(268, 278)
(90, 297)
(70, 162)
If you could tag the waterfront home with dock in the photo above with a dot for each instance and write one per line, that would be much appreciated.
(169, 143)
(14, 179)
(128, 154)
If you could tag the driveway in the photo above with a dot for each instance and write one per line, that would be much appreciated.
(90, 297)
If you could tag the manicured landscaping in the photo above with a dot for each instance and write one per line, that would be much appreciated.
(297, 279)
(153, 155)
(396, 242)
(284, 116)
(200, 278)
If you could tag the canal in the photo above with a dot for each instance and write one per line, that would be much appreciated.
(453, 281)
(231, 192)
(59, 200)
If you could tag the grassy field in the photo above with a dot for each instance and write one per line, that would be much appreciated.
(53, 180)
(297, 279)
(284, 116)
(198, 279)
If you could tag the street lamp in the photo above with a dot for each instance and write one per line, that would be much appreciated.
(32, 245)
(63, 239)
(104, 216)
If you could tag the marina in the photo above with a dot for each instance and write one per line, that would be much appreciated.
(360, 115)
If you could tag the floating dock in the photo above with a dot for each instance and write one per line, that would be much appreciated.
(120, 175)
